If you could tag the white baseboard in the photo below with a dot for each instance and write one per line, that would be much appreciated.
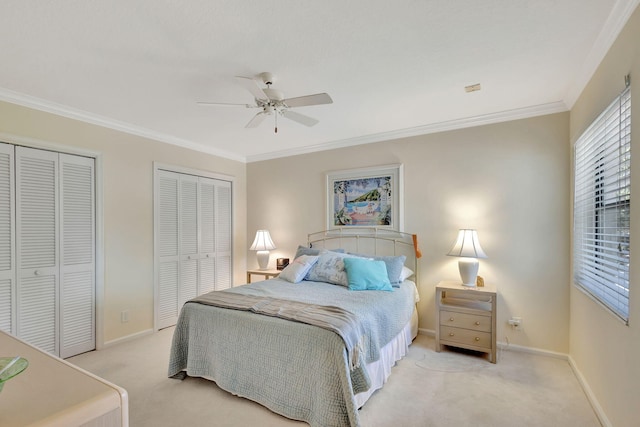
(532, 350)
(128, 338)
(427, 332)
(602, 417)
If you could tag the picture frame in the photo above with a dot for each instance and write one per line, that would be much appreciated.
(366, 198)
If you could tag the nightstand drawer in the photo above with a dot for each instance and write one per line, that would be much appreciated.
(467, 321)
(465, 336)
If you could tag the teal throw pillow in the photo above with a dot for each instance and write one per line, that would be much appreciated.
(394, 266)
(367, 275)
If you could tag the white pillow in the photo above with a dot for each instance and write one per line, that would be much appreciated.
(330, 269)
(299, 268)
(406, 273)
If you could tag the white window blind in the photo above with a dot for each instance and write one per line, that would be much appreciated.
(602, 200)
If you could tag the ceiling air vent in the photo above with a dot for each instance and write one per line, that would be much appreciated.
(472, 88)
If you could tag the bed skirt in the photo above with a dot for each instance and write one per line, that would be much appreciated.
(380, 370)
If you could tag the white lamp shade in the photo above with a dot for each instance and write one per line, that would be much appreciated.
(467, 245)
(262, 242)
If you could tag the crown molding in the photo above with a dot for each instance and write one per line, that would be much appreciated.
(83, 116)
(62, 110)
(485, 119)
(72, 113)
(620, 14)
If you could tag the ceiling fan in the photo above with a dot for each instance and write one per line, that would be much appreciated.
(272, 102)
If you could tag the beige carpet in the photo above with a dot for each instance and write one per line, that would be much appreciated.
(425, 389)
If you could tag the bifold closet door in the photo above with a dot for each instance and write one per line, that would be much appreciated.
(214, 218)
(188, 238)
(77, 255)
(47, 249)
(168, 268)
(207, 221)
(193, 229)
(7, 238)
(224, 258)
(37, 290)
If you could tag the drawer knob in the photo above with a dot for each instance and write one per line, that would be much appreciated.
(477, 339)
(451, 334)
(451, 319)
(477, 323)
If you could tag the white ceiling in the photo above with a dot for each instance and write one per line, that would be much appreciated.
(393, 68)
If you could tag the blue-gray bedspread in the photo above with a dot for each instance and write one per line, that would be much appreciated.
(295, 369)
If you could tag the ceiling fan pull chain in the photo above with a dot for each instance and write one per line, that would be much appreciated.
(276, 130)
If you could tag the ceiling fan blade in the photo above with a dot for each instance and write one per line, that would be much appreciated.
(303, 101)
(300, 118)
(224, 104)
(256, 120)
(252, 86)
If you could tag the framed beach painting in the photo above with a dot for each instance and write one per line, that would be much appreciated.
(366, 197)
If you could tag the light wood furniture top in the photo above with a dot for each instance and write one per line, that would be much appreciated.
(466, 317)
(52, 392)
(268, 274)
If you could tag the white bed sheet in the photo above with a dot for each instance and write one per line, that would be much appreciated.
(380, 370)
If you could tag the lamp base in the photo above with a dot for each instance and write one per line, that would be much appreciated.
(263, 259)
(468, 268)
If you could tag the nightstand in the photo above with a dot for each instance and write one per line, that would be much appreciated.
(466, 317)
(266, 273)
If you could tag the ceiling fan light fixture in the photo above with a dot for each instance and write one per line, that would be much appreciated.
(273, 94)
(267, 78)
(271, 100)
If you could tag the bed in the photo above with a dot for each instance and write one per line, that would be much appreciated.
(307, 345)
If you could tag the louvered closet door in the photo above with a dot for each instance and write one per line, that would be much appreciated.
(167, 247)
(193, 249)
(36, 247)
(207, 235)
(223, 235)
(188, 238)
(77, 255)
(7, 239)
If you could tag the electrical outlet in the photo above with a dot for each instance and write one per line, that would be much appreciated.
(516, 322)
(124, 316)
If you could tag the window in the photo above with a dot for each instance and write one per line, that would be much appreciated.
(602, 199)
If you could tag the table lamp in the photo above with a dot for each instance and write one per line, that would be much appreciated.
(467, 247)
(263, 244)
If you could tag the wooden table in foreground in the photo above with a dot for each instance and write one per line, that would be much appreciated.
(53, 392)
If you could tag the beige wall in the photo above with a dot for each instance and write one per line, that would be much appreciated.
(607, 352)
(508, 180)
(127, 172)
